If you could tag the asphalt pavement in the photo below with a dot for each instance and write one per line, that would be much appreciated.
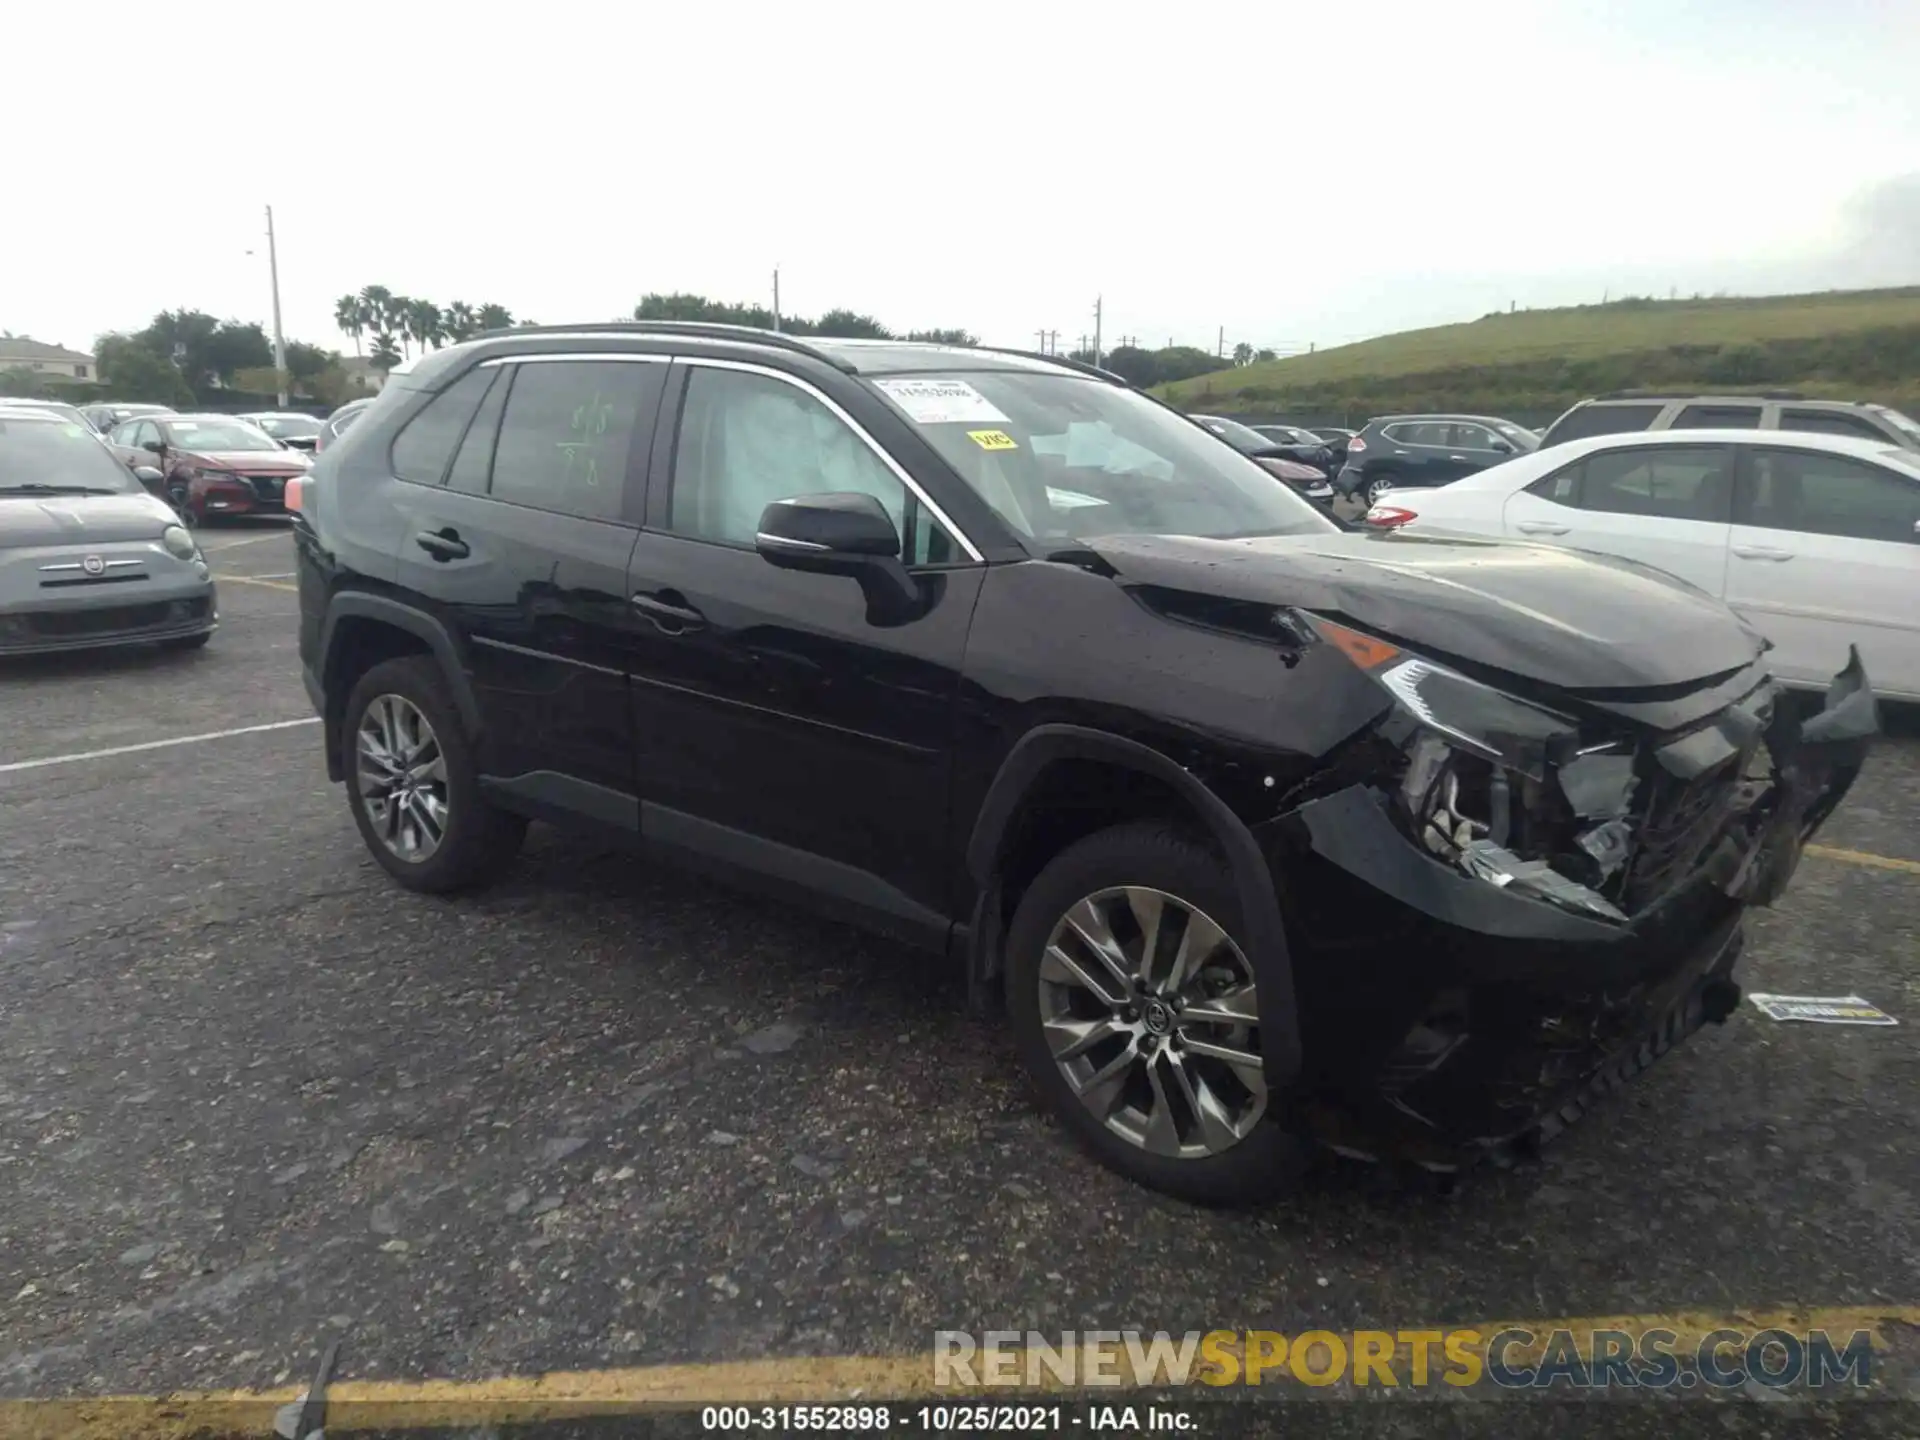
(255, 1099)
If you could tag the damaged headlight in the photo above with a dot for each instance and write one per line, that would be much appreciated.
(1500, 787)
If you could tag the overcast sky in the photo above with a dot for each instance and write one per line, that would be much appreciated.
(1292, 172)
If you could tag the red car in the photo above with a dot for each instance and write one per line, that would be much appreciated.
(211, 466)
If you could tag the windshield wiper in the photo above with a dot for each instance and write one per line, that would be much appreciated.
(54, 490)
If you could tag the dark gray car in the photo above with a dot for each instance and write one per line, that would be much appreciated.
(88, 557)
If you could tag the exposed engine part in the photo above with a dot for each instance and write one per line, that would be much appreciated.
(1500, 867)
(1499, 806)
(1599, 787)
(1609, 844)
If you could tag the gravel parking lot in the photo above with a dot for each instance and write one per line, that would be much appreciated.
(254, 1098)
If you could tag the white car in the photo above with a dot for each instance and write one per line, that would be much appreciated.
(1814, 539)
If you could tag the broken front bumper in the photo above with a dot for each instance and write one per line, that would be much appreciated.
(1447, 1012)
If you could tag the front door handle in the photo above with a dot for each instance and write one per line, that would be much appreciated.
(669, 612)
(443, 544)
(1761, 552)
(1541, 527)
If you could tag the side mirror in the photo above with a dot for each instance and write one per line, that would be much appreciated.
(1501, 447)
(147, 475)
(842, 533)
(154, 447)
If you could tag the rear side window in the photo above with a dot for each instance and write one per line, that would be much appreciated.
(1584, 420)
(1692, 482)
(1718, 417)
(1831, 422)
(424, 447)
(568, 432)
(1819, 494)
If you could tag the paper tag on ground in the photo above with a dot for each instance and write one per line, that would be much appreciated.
(1822, 1009)
(940, 402)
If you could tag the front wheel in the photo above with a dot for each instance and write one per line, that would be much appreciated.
(1137, 1013)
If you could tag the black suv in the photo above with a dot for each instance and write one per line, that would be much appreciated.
(1621, 414)
(1263, 831)
(1400, 451)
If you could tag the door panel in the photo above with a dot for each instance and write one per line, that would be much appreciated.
(1663, 506)
(533, 588)
(778, 727)
(1825, 555)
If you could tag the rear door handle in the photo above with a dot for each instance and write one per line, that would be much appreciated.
(669, 616)
(1540, 527)
(443, 544)
(1761, 552)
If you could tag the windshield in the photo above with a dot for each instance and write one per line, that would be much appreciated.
(58, 454)
(1905, 424)
(285, 427)
(207, 435)
(1060, 457)
(1241, 437)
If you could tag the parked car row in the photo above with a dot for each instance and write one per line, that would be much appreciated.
(1265, 834)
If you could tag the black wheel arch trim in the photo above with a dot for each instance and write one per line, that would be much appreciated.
(1266, 938)
(401, 616)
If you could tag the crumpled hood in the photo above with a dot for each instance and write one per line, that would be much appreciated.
(1553, 616)
(80, 519)
(264, 462)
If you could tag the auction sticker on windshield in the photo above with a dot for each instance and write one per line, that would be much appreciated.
(940, 402)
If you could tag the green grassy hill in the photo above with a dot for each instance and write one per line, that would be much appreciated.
(1853, 344)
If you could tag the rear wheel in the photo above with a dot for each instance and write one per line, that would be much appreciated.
(1137, 1013)
(413, 785)
(1378, 486)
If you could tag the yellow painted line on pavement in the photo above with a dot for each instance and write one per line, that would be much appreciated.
(224, 579)
(390, 1405)
(1862, 857)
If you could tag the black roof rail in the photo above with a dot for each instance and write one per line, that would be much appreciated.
(1061, 360)
(1699, 395)
(694, 329)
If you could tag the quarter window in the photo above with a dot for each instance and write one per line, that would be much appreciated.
(747, 440)
(1820, 494)
(567, 433)
(1718, 417)
(1830, 422)
(424, 447)
(473, 461)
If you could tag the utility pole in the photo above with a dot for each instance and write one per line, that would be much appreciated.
(279, 339)
(1096, 329)
(776, 299)
(1220, 346)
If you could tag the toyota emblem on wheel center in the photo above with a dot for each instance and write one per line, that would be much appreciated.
(94, 565)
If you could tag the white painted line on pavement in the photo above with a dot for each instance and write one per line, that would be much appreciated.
(216, 548)
(154, 745)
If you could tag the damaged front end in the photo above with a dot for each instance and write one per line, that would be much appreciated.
(1498, 906)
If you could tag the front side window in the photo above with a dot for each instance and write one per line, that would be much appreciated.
(567, 433)
(1061, 456)
(1819, 494)
(424, 447)
(1693, 482)
(1475, 437)
(1718, 417)
(747, 440)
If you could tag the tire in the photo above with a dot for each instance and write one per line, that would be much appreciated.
(188, 642)
(1376, 487)
(476, 841)
(1253, 1159)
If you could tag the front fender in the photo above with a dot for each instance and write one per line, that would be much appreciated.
(1266, 940)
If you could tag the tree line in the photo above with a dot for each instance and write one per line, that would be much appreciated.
(396, 323)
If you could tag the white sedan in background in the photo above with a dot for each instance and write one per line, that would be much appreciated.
(1814, 539)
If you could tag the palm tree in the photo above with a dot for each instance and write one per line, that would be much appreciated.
(386, 354)
(495, 317)
(396, 322)
(460, 321)
(350, 314)
(424, 323)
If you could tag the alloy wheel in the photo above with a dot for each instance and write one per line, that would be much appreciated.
(402, 775)
(1377, 488)
(1150, 1011)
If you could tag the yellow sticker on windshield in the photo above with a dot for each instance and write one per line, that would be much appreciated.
(992, 439)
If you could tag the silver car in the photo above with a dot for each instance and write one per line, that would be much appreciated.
(88, 556)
